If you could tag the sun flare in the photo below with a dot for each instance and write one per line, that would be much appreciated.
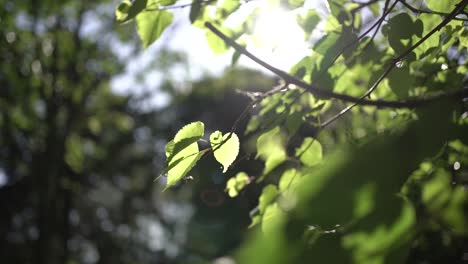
(278, 38)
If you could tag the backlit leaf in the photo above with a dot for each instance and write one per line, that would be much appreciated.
(310, 152)
(152, 24)
(270, 147)
(127, 10)
(237, 183)
(182, 153)
(225, 148)
(442, 5)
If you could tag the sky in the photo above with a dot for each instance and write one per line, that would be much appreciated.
(278, 40)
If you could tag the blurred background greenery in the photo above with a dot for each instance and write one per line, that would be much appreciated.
(78, 160)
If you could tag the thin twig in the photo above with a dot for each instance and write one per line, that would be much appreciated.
(362, 5)
(356, 41)
(180, 6)
(387, 2)
(255, 101)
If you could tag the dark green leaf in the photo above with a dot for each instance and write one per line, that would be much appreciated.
(131, 11)
(195, 10)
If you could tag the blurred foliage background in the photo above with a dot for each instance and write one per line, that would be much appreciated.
(78, 161)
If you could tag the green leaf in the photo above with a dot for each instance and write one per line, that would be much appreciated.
(442, 5)
(310, 152)
(336, 6)
(226, 7)
(268, 196)
(400, 80)
(443, 199)
(127, 11)
(225, 148)
(326, 42)
(295, 3)
(122, 10)
(359, 186)
(288, 180)
(235, 57)
(400, 30)
(237, 183)
(293, 122)
(195, 10)
(169, 149)
(375, 9)
(309, 21)
(165, 2)
(302, 68)
(192, 130)
(152, 24)
(215, 43)
(270, 147)
(182, 153)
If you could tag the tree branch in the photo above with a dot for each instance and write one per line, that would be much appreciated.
(447, 20)
(315, 90)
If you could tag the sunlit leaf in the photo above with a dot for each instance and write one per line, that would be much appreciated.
(192, 130)
(270, 147)
(325, 43)
(216, 44)
(309, 21)
(442, 6)
(295, 3)
(288, 180)
(310, 152)
(165, 2)
(237, 183)
(152, 24)
(122, 10)
(227, 7)
(225, 148)
(182, 153)
(268, 196)
(127, 10)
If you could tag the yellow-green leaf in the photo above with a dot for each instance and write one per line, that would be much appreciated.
(182, 153)
(237, 183)
(442, 5)
(270, 147)
(310, 152)
(225, 148)
(152, 24)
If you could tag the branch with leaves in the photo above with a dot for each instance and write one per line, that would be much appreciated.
(323, 93)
